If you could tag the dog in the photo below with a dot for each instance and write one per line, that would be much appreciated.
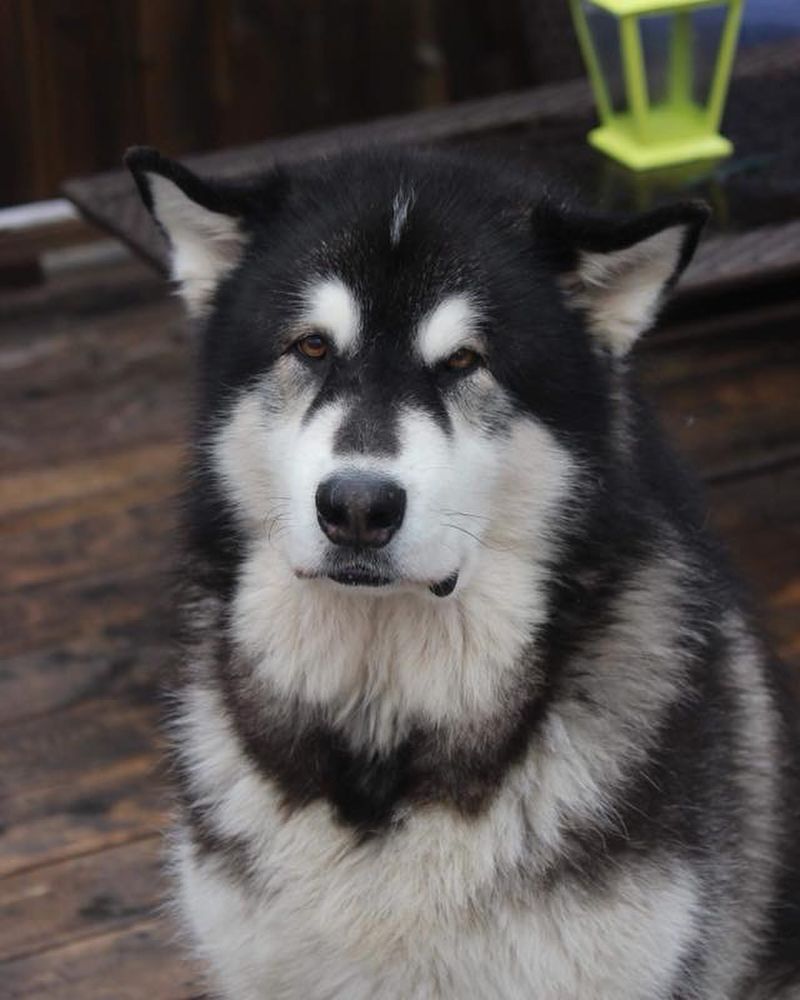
(469, 706)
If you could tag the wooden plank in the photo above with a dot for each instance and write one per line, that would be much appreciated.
(105, 330)
(80, 781)
(174, 83)
(40, 616)
(71, 749)
(75, 76)
(125, 668)
(114, 286)
(50, 225)
(730, 403)
(88, 385)
(143, 960)
(759, 517)
(98, 534)
(136, 413)
(80, 898)
(119, 806)
(15, 122)
(39, 488)
(359, 60)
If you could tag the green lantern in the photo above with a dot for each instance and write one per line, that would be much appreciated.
(660, 71)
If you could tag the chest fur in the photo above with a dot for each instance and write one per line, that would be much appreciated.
(441, 909)
(459, 906)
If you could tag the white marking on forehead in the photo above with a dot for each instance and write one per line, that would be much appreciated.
(453, 323)
(333, 309)
(400, 208)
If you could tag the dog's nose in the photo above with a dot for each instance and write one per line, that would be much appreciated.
(359, 509)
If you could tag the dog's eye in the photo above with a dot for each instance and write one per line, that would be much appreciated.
(314, 346)
(463, 359)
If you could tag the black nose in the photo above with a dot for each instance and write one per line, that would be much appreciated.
(360, 509)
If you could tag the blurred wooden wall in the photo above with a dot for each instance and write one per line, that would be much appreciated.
(82, 79)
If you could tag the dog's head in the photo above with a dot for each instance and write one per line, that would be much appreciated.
(407, 361)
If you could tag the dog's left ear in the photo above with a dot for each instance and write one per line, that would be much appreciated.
(205, 222)
(618, 273)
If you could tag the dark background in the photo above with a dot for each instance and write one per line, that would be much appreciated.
(80, 80)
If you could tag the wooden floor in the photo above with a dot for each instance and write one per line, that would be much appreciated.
(92, 412)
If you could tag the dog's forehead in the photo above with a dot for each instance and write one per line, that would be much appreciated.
(430, 331)
(398, 276)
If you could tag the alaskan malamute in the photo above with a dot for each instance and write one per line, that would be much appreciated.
(468, 707)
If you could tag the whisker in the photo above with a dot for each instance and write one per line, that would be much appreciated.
(463, 513)
(464, 531)
(271, 523)
(480, 541)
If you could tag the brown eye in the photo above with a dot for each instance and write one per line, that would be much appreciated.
(463, 358)
(314, 346)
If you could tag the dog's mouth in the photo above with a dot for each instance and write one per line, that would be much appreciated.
(357, 575)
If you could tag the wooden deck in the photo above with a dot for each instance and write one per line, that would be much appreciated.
(94, 375)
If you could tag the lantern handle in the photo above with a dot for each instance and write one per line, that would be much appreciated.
(592, 62)
(681, 69)
(722, 73)
(630, 43)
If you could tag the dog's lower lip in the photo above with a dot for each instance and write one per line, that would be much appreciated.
(363, 578)
(359, 578)
(445, 587)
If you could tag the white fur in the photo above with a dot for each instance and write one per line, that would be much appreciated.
(401, 206)
(204, 245)
(332, 308)
(622, 290)
(339, 938)
(394, 917)
(452, 324)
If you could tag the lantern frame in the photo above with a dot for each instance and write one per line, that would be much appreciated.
(644, 136)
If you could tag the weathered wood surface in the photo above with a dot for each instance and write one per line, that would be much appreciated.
(68, 901)
(126, 963)
(93, 389)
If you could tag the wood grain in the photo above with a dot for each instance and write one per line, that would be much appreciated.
(81, 779)
(124, 666)
(92, 534)
(83, 897)
(759, 517)
(129, 964)
(730, 401)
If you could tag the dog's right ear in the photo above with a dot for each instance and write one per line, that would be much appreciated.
(617, 271)
(205, 222)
